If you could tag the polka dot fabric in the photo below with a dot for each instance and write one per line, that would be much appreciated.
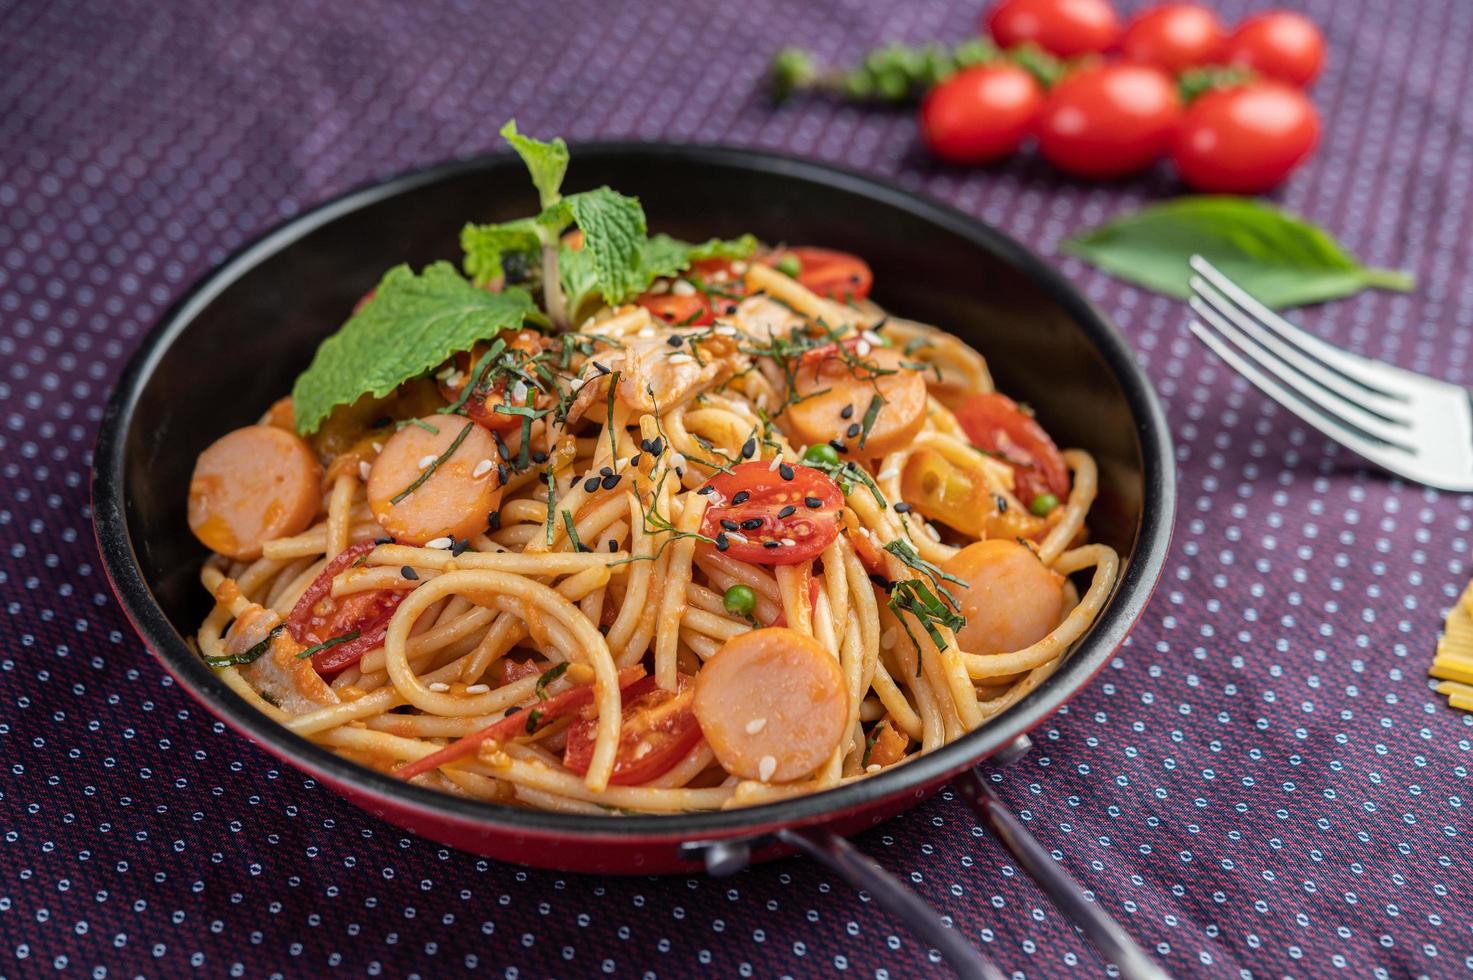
(1260, 784)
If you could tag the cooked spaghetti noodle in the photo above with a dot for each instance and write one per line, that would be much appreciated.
(776, 545)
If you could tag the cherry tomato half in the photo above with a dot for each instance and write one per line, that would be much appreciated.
(481, 405)
(1174, 36)
(1109, 120)
(1065, 27)
(996, 424)
(657, 730)
(837, 275)
(690, 310)
(980, 114)
(1244, 139)
(318, 617)
(765, 509)
(1279, 44)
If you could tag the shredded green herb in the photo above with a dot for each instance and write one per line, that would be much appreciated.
(534, 718)
(430, 470)
(548, 676)
(551, 503)
(902, 549)
(870, 414)
(326, 644)
(249, 656)
(913, 597)
(572, 532)
(869, 743)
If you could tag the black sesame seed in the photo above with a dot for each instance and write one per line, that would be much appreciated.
(510, 711)
(502, 474)
(601, 368)
(493, 521)
(573, 480)
(657, 447)
(409, 573)
(383, 540)
(751, 524)
(813, 502)
(903, 508)
(584, 548)
(605, 470)
(611, 481)
(787, 511)
(749, 449)
(380, 422)
(730, 308)
(591, 484)
(730, 525)
(539, 457)
(770, 544)
(838, 445)
(740, 497)
(613, 545)
(881, 581)
(785, 471)
(645, 444)
(706, 489)
(675, 340)
(721, 543)
(634, 460)
(458, 548)
(853, 430)
(847, 412)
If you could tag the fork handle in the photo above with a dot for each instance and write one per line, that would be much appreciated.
(1103, 932)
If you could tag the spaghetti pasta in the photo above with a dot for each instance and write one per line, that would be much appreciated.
(758, 542)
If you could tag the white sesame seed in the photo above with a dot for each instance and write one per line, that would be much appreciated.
(378, 447)
(576, 383)
(736, 536)
(676, 459)
(478, 689)
(756, 725)
(862, 348)
(456, 380)
(739, 267)
(726, 330)
(720, 275)
(888, 473)
(482, 468)
(646, 332)
(683, 288)
(518, 391)
(426, 460)
(776, 462)
(363, 469)
(872, 767)
(681, 359)
(445, 372)
(439, 543)
(873, 338)
(766, 767)
(660, 287)
(439, 687)
(789, 543)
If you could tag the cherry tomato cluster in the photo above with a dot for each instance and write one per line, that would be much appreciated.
(1120, 105)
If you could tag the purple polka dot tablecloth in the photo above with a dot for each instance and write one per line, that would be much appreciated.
(1261, 783)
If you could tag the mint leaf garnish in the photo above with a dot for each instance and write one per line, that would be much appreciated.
(546, 162)
(412, 323)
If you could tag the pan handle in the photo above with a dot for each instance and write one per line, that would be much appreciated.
(1107, 935)
(893, 896)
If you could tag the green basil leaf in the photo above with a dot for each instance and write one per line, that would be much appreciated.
(1279, 258)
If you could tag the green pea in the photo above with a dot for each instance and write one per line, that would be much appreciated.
(740, 599)
(1043, 505)
(790, 265)
(822, 453)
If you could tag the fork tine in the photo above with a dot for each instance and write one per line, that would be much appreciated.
(1330, 402)
(1375, 451)
(1354, 395)
(1366, 373)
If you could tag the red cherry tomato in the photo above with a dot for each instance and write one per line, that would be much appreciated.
(318, 617)
(1109, 120)
(995, 423)
(700, 308)
(657, 730)
(755, 502)
(837, 275)
(1174, 36)
(481, 405)
(1279, 44)
(1244, 139)
(981, 113)
(1065, 27)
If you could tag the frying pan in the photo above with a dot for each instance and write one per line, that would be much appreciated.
(236, 341)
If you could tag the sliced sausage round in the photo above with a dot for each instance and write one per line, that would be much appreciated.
(252, 485)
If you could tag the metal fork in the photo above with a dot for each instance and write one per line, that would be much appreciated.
(1412, 425)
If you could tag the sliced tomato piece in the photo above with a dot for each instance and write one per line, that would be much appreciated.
(657, 731)
(692, 310)
(526, 720)
(837, 275)
(319, 618)
(482, 402)
(755, 509)
(996, 424)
